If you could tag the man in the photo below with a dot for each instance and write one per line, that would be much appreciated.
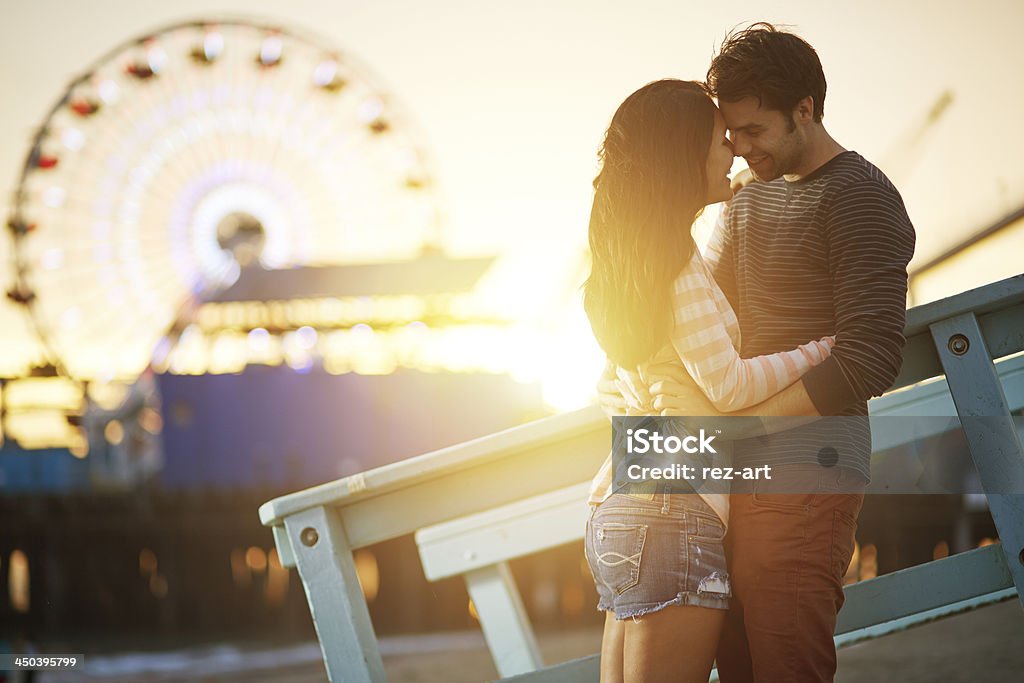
(818, 246)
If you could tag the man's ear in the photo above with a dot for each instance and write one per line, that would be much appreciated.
(803, 112)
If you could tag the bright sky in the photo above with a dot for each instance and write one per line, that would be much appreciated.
(513, 98)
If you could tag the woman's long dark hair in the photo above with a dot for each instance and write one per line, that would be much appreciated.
(651, 187)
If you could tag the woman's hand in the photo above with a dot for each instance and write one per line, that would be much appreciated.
(608, 396)
(675, 398)
(741, 180)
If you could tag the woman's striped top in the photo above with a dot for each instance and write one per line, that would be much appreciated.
(705, 339)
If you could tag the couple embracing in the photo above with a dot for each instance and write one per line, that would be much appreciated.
(796, 308)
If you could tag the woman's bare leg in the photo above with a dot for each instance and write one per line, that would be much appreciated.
(674, 644)
(611, 649)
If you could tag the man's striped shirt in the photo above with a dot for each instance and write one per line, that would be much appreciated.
(824, 255)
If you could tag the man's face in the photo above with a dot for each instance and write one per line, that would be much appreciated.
(768, 139)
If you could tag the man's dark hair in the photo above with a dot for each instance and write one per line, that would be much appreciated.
(777, 67)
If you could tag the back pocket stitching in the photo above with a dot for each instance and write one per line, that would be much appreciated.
(706, 523)
(634, 559)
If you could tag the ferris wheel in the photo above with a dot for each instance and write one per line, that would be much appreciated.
(185, 155)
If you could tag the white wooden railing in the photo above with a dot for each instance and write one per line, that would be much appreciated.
(477, 505)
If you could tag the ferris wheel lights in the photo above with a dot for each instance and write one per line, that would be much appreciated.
(326, 76)
(140, 71)
(370, 110)
(46, 161)
(108, 91)
(213, 45)
(73, 139)
(84, 107)
(52, 259)
(335, 85)
(20, 294)
(270, 51)
(199, 56)
(19, 226)
(325, 72)
(153, 61)
(139, 179)
(54, 197)
(156, 57)
(210, 50)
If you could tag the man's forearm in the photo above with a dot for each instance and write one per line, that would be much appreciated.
(788, 409)
(793, 400)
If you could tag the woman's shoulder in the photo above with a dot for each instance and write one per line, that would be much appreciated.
(696, 296)
(694, 276)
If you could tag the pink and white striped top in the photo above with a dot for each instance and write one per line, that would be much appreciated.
(704, 340)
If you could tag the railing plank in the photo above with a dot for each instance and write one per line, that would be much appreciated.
(979, 301)
(578, 430)
(506, 532)
(1003, 332)
(934, 403)
(582, 670)
(924, 587)
(918, 618)
(489, 484)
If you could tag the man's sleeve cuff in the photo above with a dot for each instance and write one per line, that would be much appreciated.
(828, 388)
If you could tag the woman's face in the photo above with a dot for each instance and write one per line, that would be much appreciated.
(719, 163)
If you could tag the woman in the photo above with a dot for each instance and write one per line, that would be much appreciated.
(657, 558)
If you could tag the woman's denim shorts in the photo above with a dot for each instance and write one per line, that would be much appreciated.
(649, 552)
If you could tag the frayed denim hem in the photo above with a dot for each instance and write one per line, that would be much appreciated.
(709, 600)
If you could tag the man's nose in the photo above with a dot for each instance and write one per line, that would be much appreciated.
(740, 145)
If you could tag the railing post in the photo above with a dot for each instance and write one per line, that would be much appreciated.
(993, 441)
(328, 572)
(503, 620)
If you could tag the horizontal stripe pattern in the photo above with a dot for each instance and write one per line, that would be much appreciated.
(705, 339)
(826, 255)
